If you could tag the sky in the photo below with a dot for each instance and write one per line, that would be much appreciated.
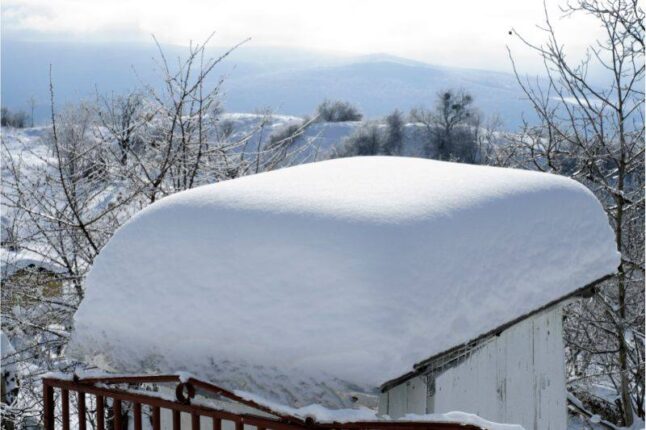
(462, 33)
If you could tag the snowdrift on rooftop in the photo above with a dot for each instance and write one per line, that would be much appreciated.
(345, 271)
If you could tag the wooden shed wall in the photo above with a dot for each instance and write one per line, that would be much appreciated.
(517, 377)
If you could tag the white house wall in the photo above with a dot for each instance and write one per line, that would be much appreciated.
(409, 397)
(517, 377)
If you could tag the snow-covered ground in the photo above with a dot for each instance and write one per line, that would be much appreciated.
(318, 139)
(28, 144)
(254, 128)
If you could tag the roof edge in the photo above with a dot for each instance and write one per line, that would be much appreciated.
(419, 367)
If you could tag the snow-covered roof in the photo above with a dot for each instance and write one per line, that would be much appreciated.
(13, 261)
(345, 271)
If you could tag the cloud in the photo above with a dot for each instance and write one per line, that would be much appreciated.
(468, 33)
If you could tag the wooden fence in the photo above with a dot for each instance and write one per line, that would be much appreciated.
(117, 400)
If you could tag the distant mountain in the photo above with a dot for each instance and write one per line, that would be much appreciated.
(377, 86)
(288, 81)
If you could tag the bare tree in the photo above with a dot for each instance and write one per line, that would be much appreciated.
(393, 143)
(63, 206)
(98, 164)
(366, 140)
(595, 134)
(13, 119)
(121, 117)
(375, 138)
(451, 126)
(174, 126)
(451, 110)
(32, 108)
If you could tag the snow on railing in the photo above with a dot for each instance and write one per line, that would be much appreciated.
(112, 402)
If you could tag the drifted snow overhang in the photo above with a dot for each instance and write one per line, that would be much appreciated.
(453, 354)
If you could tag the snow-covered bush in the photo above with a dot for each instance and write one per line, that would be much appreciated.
(338, 111)
(13, 119)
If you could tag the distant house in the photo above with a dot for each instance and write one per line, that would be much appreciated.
(27, 275)
(315, 284)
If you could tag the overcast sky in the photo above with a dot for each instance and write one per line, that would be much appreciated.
(467, 33)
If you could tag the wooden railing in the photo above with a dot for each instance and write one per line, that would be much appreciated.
(113, 406)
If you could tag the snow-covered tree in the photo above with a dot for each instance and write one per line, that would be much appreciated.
(595, 133)
(103, 162)
(451, 127)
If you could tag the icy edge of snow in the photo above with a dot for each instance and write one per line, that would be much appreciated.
(322, 414)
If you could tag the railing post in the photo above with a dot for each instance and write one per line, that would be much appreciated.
(177, 420)
(195, 421)
(48, 406)
(82, 411)
(116, 414)
(217, 424)
(137, 416)
(100, 413)
(65, 409)
(156, 418)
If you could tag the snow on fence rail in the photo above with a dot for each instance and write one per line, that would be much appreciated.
(131, 403)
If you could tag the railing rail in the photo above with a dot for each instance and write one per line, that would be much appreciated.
(135, 405)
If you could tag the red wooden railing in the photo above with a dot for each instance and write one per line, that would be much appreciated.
(132, 402)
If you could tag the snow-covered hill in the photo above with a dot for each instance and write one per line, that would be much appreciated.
(317, 140)
(321, 138)
(377, 86)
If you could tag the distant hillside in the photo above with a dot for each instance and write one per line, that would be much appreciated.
(289, 82)
(377, 87)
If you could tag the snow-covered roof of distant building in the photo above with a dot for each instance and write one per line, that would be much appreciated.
(306, 283)
(12, 261)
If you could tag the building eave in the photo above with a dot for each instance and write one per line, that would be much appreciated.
(420, 367)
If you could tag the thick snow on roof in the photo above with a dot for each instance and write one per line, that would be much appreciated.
(346, 271)
(13, 261)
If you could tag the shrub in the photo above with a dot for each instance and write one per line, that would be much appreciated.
(367, 140)
(338, 111)
(285, 137)
(394, 138)
(13, 119)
